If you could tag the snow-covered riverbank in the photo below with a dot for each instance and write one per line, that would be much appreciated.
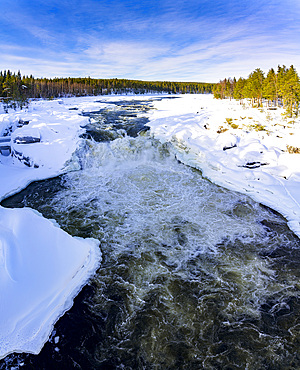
(42, 267)
(238, 147)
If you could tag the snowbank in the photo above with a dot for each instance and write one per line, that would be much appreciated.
(42, 268)
(235, 146)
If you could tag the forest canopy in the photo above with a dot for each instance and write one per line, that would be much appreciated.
(276, 89)
(17, 89)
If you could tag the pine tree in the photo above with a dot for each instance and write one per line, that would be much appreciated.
(290, 90)
(217, 91)
(255, 86)
(238, 92)
(228, 88)
(270, 88)
(281, 77)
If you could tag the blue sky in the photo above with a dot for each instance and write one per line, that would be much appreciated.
(203, 40)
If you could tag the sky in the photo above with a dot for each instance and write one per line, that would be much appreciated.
(161, 40)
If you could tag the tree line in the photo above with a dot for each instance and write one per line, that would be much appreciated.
(276, 89)
(15, 89)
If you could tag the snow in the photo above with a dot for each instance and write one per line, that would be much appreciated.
(42, 268)
(250, 157)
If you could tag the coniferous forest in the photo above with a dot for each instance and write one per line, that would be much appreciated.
(276, 89)
(15, 89)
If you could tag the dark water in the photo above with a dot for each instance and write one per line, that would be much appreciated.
(193, 276)
(110, 124)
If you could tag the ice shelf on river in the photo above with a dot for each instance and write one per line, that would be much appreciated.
(42, 268)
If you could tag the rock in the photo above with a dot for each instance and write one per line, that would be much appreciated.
(5, 145)
(26, 135)
(26, 139)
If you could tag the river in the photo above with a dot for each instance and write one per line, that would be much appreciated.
(193, 276)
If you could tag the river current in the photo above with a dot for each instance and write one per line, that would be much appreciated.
(193, 276)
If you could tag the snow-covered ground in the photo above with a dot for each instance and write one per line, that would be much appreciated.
(42, 268)
(236, 146)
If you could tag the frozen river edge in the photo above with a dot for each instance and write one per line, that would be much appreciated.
(243, 149)
(192, 123)
(42, 267)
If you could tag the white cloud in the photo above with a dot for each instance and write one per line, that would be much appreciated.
(127, 52)
(200, 61)
(172, 46)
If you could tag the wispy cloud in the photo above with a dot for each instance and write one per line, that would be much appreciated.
(191, 40)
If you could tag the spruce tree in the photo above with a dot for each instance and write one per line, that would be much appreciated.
(291, 92)
(270, 88)
(281, 77)
(217, 91)
(255, 86)
(238, 92)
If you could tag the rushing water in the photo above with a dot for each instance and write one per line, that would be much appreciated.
(193, 276)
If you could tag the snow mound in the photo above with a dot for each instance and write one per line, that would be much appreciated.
(42, 269)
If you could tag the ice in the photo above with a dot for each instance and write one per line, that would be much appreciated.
(42, 268)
